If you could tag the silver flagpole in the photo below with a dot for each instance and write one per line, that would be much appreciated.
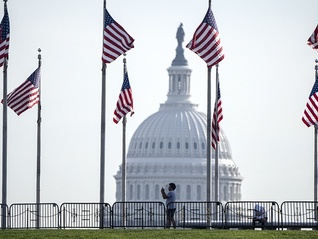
(4, 143)
(102, 140)
(208, 147)
(123, 191)
(216, 157)
(38, 161)
(315, 151)
(216, 169)
(315, 172)
(208, 153)
(102, 146)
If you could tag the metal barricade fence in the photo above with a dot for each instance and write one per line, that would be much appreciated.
(33, 215)
(199, 214)
(299, 214)
(138, 214)
(85, 215)
(251, 214)
(239, 214)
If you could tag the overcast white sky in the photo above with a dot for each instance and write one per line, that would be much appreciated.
(266, 78)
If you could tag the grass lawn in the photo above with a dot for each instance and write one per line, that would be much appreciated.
(152, 233)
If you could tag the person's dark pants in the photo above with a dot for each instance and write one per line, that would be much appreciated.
(170, 217)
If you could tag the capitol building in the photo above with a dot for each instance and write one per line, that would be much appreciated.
(170, 146)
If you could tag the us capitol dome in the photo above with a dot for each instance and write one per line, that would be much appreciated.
(170, 146)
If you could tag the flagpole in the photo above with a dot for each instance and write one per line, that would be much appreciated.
(315, 150)
(216, 169)
(123, 191)
(315, 170)
(4, 142)
(38, 161)
(216, 157)
(102, 147)
(102, 140)
(208, 154)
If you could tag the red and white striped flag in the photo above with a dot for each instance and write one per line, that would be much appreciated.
(311, 111)
(313, 39)
(206, 41)
(125, 101)
(116, 40)
(26, 95)
(4, 36)
(217, 117)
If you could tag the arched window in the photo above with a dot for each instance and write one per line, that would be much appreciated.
(187, 145)
(153, 145)
(178, 145)
(131, 192)
(138, 192)
(169, 145)
(147, 192)
(188, 192)
(157, 192)
(195, 145)
(161, 145)
(146, 145)
(199, 192)
(178, 191)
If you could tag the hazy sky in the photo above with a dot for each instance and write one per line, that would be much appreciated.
(265, 80)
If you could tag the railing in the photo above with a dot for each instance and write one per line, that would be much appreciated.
(251, 214)
(85, 215)
(32, 215)
(299, 214)
(199, 214)
(239, 214)
(138, 214)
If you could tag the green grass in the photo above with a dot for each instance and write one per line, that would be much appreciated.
(155, 234)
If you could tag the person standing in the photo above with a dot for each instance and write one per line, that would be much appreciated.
(170, 204)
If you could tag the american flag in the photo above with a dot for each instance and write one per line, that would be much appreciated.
(217, 117)
(313, 39)
(4, 36)
(206, 41)
(125, 101)
(116, 40)
(311, 111)
(26, 95)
